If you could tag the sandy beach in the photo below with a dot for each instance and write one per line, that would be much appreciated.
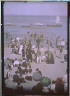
(58, 69)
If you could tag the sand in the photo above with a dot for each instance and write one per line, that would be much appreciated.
(58, 69)
(52, 71)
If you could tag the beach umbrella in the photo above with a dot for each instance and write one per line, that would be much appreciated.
(45, 81)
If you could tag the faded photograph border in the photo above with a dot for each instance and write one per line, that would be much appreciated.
(3, 53)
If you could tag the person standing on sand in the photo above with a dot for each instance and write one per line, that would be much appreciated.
(20, 49)
(38, 42)
(51, 43)
(61, 50)
(38, 55)
(29, 54)
(23, 53)
(29, 44)
(16, 62)
(25, 40)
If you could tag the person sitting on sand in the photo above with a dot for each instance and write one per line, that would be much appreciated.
(59, 86)
(52, 87)
(16, 78)
(49, 57)
(21, 79)
(37, 75)
(16, 62)
(15, 50)
(24, 62)
(6, 62)
(29, 69)
(39, 71)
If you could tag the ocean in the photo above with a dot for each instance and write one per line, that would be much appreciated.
(30, 20)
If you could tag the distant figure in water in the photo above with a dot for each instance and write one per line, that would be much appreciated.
(7, 34)
(41, 36)
(31, 35)
(27, 32)
(51, 43)
(47, 42)
(17, 38)
(34, 35)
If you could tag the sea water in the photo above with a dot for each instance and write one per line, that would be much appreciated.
(30, 20)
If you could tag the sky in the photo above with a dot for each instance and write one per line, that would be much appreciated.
(35, 8)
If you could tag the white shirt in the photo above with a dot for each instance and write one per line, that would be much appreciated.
(65, 82)
(53, 87)
(16, 62)
(65, 78)
(63, 43)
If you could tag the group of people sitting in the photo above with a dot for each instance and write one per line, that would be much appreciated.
(44, 85)
(23, 74)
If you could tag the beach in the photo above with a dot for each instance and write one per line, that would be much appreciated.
(36, 46)
(58, 69)
(52, 71)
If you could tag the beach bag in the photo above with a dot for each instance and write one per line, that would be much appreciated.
(37, 76)
(45, 81)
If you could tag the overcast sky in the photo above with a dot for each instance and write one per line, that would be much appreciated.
(35, 8)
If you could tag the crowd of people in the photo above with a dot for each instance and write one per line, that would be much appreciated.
(36, 51)
(44, 85)
(33, 53)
